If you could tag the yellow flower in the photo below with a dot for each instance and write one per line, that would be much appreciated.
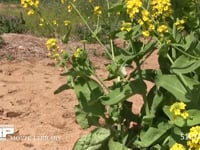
(178, 109)
(52, 44)
(141, 22)
(194, 138)
(26, 3)
(133, 7)
(90, 1)
(177, 146)
(30, 12)
(151, 27)
(179, 24)
(37, 2)
(63, 1)
(145, 15)
(55, 22)
(185, 114)
(161, 8)
(146, 33)
(69, 8)
(97, 10)
(163, 29)
(126, 26)
(77, 53)
(41, 22)
(66, 22)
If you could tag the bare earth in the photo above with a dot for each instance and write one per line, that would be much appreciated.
(42, 120)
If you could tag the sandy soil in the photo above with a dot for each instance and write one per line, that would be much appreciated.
(28, 80)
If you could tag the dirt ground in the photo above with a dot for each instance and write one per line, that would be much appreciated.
(28, 79)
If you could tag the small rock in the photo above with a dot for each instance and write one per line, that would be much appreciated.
(51, 64)
(13, 114)
(58, 124)
(12, 91)
(66, 115)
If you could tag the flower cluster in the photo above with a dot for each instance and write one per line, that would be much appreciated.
(77, 53)
(30, 5)
(178, 109)
(53, 48)
(162, 30)
(161, 9)
(194, 138)
(133, 7)
(152, 18)
(126, 26)
(177, 146)
(146, 22)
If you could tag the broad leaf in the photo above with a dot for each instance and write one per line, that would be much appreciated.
(175, 86)
(92, 141)
(185, 65)
(88, 91)
(114, 145)
(120, 94)
(153, 134)
(85, 119)
(194, 118)
(62, 88)
(116, 7)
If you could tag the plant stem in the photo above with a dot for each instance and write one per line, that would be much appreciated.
(102, 83)
(183, 52)
(95, 36)
(146, 107)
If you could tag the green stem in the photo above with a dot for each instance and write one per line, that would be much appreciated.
(99, 79)
(108, 7)
(112, 49)
(183, 52)
(95, 36)
(146, 106)
(170, 59)
(102, 83)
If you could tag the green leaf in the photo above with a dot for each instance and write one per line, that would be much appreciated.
(116, 7)
(62, 88)
(122, 34)
(153, 134)
(147, 74)
(185, 65)
(156, 102)
(194, 118)
(191, 42)
(65, 38)
(93, 141)
(120, 94)
(85, 119)
(114, 145)
(88, 92)
(147, 120)
(174, 85)
(156, 147)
